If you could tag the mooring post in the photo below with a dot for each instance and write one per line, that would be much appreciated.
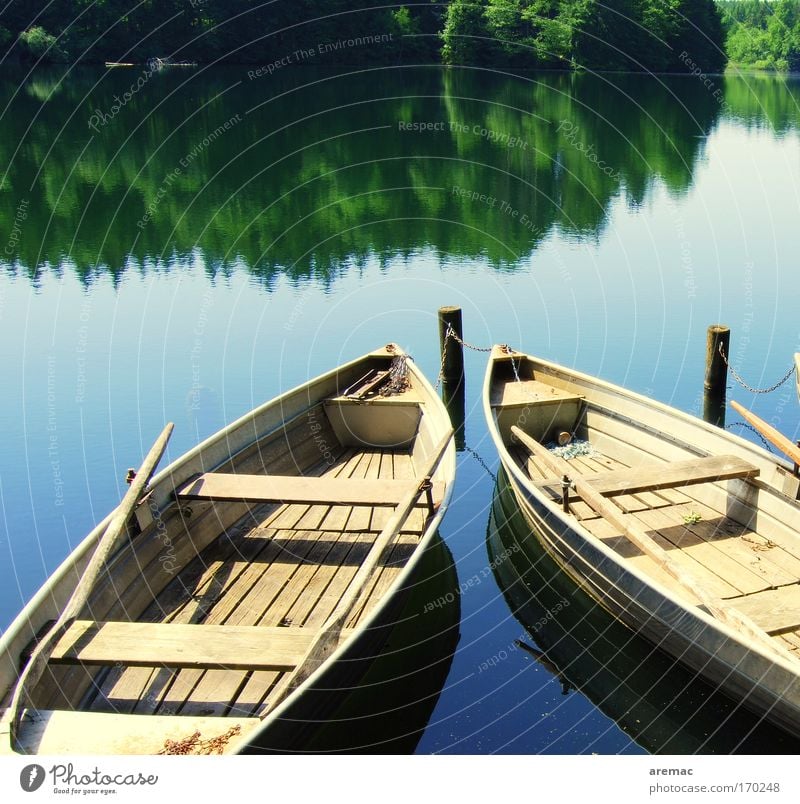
(716, 374)
(451, 349)
(453, 385)
(455, 400)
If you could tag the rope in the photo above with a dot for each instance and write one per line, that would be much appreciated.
(752, 429)
(397, 381)
(749, 387)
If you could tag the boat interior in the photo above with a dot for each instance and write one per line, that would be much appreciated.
(713, 514)
(214, 601)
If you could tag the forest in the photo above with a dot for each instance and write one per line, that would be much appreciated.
(762, 35)
(632, 35)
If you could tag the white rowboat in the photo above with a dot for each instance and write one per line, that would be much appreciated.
(688, 534)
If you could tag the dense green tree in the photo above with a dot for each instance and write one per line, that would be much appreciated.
(592, 34)
(764, 35)
(465, 36)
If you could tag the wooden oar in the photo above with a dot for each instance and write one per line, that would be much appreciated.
(327, 638)
(769, 432)
(636, 535)
(39, 657)
(797, 373)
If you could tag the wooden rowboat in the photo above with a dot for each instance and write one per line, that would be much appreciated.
(264, 566)
(680, 529)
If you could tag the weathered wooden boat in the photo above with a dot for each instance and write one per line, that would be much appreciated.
(662, 705)
(264, 566)
(682, 530)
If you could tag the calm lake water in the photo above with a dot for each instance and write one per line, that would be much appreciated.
(192, 248)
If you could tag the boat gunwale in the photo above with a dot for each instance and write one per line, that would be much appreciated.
(588, 380)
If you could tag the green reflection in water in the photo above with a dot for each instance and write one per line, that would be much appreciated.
(310, 173)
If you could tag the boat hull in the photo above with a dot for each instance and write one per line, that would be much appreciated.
(762, 686)
(661, 704)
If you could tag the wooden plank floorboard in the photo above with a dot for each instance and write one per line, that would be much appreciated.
(196, 590)
(216, 691)
(336, 519)
(611, 537)
(773, 610)
(702, 560)
(361, 515)
(252, 581)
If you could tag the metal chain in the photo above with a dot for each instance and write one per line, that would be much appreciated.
(749, 387)
(451, 333)
(752, 429)
(481, 462)
(444, 355)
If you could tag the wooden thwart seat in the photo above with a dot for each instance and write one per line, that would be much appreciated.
(664, 476)
(180, 645)
(221, 487)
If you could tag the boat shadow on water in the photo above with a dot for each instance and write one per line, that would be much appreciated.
(663, 706)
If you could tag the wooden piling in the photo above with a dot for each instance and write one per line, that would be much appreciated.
(451, 349)
(716, 379)
(455, 400)
(453, 385)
